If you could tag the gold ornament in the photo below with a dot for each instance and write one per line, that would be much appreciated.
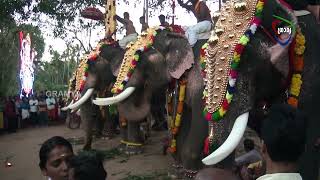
(238, 16)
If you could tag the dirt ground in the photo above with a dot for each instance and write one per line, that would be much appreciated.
(22, 149)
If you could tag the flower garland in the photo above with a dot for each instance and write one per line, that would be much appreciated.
(176, 122)
(298, 64)
(132, 56)
(219, 113)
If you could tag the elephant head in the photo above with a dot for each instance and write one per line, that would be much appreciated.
(258, 71)
(101, 72)
(169, 58)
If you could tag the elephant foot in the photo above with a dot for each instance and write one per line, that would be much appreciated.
(176, 172)
(122, 147)
(189, 174)
(108, 135)
(133, 150)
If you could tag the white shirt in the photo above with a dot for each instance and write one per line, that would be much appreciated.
(281, 176)
(50, 103)
(33, 105)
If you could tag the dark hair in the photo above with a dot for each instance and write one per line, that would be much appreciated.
(126, 14)
(48, 146)
(88, 165)
(248, 144)
(162, 17)
(284, 133)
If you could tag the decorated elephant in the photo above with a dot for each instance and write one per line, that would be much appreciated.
(92, 79)
(219, 73)
(297, 90)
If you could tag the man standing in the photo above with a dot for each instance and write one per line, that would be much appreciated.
(51, 102)
(131, 34)
(144, 25)
(283, 136)
(33, 102)
(163, 21)
(204, 25)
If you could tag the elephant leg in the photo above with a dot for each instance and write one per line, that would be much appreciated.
(192, 150)
(134, 143)
(177, 170)
(123, 133)
(88, 120)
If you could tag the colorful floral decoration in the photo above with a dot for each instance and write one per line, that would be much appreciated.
(218, 114)
(132, 56)
(81, 74)
(298, 64)
(176, 121)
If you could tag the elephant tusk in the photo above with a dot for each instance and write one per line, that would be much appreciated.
(231, 143)
(116, 99)
(67, 107)
(83, 99)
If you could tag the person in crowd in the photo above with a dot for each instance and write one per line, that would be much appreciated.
(51, 103)
(54, 155)
(144, 25)
(17, 103)
(251, 155)
(25, 115)
(10, 114)
(62, 114)
(2, 104)
(314, 8)
(43, 113)
(87, 166)
(163, 21)
(204, 25)
(131, 34)
(283, 137)
(33, 103)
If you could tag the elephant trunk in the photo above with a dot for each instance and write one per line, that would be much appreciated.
(231, 143)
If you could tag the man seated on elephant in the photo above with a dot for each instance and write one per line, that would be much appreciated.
(204, 24)
(131, 34)
(283, 136)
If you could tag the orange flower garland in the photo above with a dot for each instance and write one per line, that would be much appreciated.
(176, 122)
(298, 64)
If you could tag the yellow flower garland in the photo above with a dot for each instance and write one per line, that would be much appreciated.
(296, 80)
(176, 122)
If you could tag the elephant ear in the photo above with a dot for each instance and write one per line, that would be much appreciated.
(179, 57)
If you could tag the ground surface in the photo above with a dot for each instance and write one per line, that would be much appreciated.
(22, 150)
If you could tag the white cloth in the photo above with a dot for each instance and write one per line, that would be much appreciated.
(50, 103)
(281, 176)
(195, 32)
(33, 105)
(25, 114)
(127, 39)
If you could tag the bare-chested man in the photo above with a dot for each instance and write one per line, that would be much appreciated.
(131, 34)
(202, 29)
(144, 25)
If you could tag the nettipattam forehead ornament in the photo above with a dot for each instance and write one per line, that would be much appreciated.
(234, 19)
(132, 56)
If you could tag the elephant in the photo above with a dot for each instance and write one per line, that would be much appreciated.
(255, 77)
(92, 116)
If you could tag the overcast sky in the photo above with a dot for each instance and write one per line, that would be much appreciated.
(182, 18)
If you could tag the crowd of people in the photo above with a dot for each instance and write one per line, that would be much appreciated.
(36, 110)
